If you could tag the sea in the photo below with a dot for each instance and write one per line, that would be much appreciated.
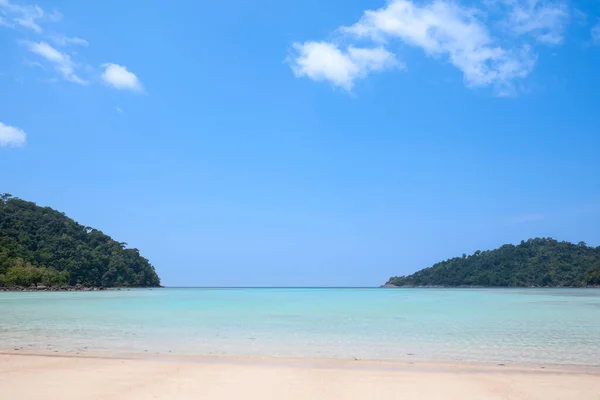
(529, 326)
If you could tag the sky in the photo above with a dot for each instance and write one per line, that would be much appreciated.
(305, 143)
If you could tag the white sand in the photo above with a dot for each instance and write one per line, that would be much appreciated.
(80, 378)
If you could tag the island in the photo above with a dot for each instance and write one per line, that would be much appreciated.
(539, 262)
(41, 248)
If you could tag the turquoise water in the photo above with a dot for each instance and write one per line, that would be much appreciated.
(506, 325)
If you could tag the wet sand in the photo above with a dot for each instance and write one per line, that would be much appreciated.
(83, 377)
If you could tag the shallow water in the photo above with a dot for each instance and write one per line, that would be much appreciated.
(559, 326)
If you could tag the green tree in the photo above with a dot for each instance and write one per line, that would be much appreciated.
(535, 262)
(43, 242)
(592, 275)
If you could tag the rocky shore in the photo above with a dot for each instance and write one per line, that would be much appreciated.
(44, 288)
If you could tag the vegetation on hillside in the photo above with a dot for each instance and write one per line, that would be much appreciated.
(39, 245)
(592, 275)
(26, 274)
(540, 262)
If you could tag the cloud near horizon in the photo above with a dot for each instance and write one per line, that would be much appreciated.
(524, 218)
(11, 136)
(444, 30)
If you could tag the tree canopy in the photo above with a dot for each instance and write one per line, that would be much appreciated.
(42, 245)
(540, 262)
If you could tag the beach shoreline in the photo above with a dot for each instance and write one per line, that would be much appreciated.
(313, 362)
(29, 375)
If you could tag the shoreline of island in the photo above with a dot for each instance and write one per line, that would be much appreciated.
(392, 286)
(75, 288)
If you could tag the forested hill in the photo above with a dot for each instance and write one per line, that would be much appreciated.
(39, 245)
(541, 262)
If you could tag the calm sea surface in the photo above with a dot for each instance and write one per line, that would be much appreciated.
(504, 325)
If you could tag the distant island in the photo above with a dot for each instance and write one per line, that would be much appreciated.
(539, 262)
(41, 247)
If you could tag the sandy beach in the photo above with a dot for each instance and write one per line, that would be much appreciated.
(31, 376)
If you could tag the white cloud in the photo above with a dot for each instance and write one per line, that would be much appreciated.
(445, 29)
(120, 78)
(11, 136)
(25, 16)
(119, 110)
(31, 17)
(325, 61)
(596, 33)
(33, 64)
(54, 16)
(61, 40)
(48, 52)
(29, 20)
(580, 17)
(545, 21)
(61, 61)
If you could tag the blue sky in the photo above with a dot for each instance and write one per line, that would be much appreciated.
(305, 142)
